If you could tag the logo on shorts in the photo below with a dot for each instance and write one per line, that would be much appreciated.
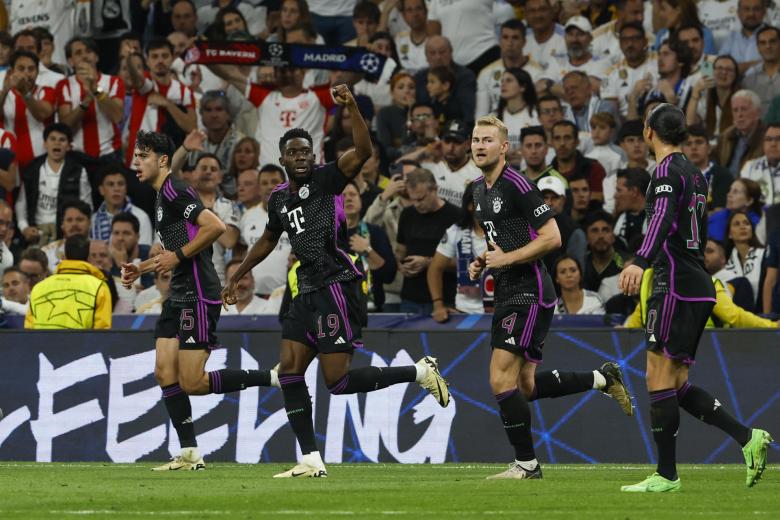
(663, 188)
(190, 340)
(303, 193)
(340, 341)
(510, 341)
(188, 210)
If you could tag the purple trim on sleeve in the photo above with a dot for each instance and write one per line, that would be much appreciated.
(280, 187)
(168, 190)
(521, 184)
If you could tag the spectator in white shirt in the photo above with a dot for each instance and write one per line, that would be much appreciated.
(545, 39)
(517, 106)
(456, 169)
(411, 43)
(573, 298)
(246, 300)
(765, 170)
(151, 299)
(578, 36)
(602, 129)
(74, 221)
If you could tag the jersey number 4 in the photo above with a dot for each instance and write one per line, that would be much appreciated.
(697, 207)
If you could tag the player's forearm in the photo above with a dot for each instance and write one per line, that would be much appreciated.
(147, 266)
(71, 116)
(536, 249)
(231, 74)
(360, 134)
(178, 160)
(206, 235)
(434, 279)
(229, 238)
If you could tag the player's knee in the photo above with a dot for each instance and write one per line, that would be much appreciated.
(190, 385)
(164, 375)
(527, 385)
(499, 383)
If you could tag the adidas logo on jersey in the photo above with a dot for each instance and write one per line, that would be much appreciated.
(284, 209)
(190, 340)
(478, 208)
(652, 338)
(510, 341)
(340, 341)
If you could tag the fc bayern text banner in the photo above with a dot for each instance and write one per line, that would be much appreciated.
(332, 57)
(92, 397)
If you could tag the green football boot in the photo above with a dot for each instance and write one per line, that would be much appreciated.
(755, 455)
(655, 483)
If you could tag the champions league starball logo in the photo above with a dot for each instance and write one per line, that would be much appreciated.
(370, 63)
(275, 50)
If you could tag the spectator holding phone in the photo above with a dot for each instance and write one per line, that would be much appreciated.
(710, 101)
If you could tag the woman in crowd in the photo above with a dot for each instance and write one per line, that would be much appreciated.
(573, 299)
(291, 13)
(462, 243)
(246, 156)
(710, 101)
(674, 14)
(391, 120)
(517, 106)
(745, 254)
(744, 195)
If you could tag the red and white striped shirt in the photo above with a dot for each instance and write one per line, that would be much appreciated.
(152, 118)
(7, 140)
(27, 129)
(277, 114)
(98, 135)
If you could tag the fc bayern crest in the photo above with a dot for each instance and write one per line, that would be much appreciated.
(496, 205)
(304, 192)
(159, 213)
(370, 63)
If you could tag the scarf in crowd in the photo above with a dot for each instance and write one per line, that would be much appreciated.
(304, 56)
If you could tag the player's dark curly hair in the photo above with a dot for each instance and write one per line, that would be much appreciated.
(295, 133)
(668, 122)
(155, 142)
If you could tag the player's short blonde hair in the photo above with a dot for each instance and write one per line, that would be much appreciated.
(495, 122)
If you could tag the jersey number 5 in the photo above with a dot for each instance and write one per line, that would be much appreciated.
(697, 207)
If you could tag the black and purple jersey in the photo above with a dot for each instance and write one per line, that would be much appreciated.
(677, 230)
(510, 212)
(313, 217)
(176, 218)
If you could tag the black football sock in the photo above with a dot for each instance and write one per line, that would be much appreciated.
(369, 379)
(557, 384)
(664, 421)
(180, 412)
(516, 416)
(297, 402)
(225, 381)
(704, 407)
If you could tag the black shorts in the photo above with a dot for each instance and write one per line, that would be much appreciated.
(674, 326)
(328, 320)
(521, 329)
(193, 323)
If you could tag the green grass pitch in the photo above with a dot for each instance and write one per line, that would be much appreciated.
(29, 490)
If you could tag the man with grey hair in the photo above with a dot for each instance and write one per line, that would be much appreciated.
(221, 135)
(438, 52)
(420, 228)
(743, 141)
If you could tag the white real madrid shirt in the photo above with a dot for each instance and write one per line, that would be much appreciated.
(452, 184)
(271, 272)
(622, 78)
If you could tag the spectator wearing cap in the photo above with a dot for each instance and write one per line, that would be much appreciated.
(113, 188)
(602, 128)
(697, 149)
(631, 223)
(49, 181)
(438, 52)
(634, 73)
(456, 168)
(764, 78)
(765, 170)
(573, 241)
(534, 150)
(602, 259)
(606, 36)
(743, 141)
(511, 41)
(742, 44)
(546, 42)
(570, 161)
(634, 147)
(76, 296)
(578, 37)
(222, 136)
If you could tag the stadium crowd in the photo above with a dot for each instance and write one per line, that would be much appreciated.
(570, 80)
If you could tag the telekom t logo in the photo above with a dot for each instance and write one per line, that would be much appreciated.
(491, 231)
(296, 219)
